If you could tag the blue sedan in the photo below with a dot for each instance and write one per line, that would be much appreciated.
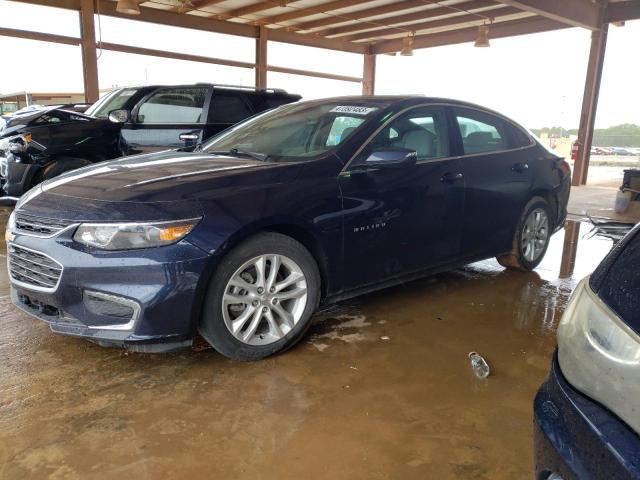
(241, 238)
(587, 414)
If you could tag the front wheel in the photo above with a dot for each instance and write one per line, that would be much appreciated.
(531, 238)
(261, 298)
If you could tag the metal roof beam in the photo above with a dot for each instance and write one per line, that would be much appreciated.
(576, 13)
(444, 22)
(165, 17)
(315, 10)
(622, 11)
(499, 30)
(192, 5)
(39, 36)
(232, 28)
(251, 8)
(361, 15)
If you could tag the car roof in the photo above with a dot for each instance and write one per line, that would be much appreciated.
(235, 88)
(403, 101)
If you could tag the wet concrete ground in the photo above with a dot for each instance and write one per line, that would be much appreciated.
(380, 389)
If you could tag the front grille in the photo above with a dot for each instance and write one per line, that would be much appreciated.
(33, 268)
(39, 225)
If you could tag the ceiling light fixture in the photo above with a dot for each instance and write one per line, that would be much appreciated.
(407, 46)
(130, 7)
(482, 40)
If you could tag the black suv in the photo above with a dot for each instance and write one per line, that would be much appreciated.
(38, 145)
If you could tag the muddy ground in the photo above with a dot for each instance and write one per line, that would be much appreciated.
(380, 389)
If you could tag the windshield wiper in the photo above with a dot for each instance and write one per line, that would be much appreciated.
(255, 155)
(236, 152)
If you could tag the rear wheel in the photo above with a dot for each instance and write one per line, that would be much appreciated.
(531, 238)
(261, 298)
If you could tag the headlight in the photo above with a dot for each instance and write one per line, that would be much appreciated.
(15, 144)
(127, 236)
(11, 226)
(600, 355)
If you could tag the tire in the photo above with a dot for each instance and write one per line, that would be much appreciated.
(58, 167)
(523, 255)
(261, 329)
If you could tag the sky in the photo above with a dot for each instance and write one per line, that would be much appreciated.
(537, 79)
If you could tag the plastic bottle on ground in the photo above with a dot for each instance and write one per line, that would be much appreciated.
(479, 365)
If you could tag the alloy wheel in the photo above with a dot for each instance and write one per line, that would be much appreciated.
(535, 234)
(264, 299)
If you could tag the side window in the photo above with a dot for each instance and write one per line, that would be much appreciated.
(173, 105)
(228, 108)
(519, 138)
(341, 128)
(423, 129)
(481, 132)
(52, 117)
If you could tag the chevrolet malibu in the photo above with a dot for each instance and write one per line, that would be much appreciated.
(244, 237)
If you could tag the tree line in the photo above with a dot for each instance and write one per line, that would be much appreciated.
(625, 135)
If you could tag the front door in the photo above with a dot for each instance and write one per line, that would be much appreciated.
(497, 178)
(171, 117)
(402, 220)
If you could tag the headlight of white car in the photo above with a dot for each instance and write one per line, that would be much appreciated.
(11, 226)
(127, 236)
(599, 354)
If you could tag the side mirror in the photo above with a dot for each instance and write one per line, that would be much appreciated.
(119, 116)
(392, 157)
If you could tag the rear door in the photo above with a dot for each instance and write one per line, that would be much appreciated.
(169, 117)
(497, 179)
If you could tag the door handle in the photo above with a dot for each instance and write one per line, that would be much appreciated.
(189, 136)
(451, 177)
(520, 167)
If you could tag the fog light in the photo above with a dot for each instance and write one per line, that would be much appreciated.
(124, 310)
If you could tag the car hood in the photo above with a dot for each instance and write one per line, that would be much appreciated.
(167, 181)
(15, 124)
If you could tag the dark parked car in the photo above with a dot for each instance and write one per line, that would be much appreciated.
(587, 413)
(43, 143)
(313, 202)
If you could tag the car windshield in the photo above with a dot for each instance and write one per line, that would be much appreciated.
(111, 101)
(293, 132)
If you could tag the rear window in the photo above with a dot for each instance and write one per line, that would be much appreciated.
(519, 138)
(617, 281)
(481, 132)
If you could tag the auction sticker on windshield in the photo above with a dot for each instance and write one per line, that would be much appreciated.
(353, 109)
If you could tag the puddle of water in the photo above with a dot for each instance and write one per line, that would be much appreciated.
(381, 388)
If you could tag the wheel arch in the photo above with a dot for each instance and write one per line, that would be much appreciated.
(52, 163)
(551, 197)
(292, 229)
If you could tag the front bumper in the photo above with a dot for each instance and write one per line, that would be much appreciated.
(161, 284)
(15, 177)
(577, 438)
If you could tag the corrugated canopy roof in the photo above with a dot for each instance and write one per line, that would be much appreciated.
(378, 26)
